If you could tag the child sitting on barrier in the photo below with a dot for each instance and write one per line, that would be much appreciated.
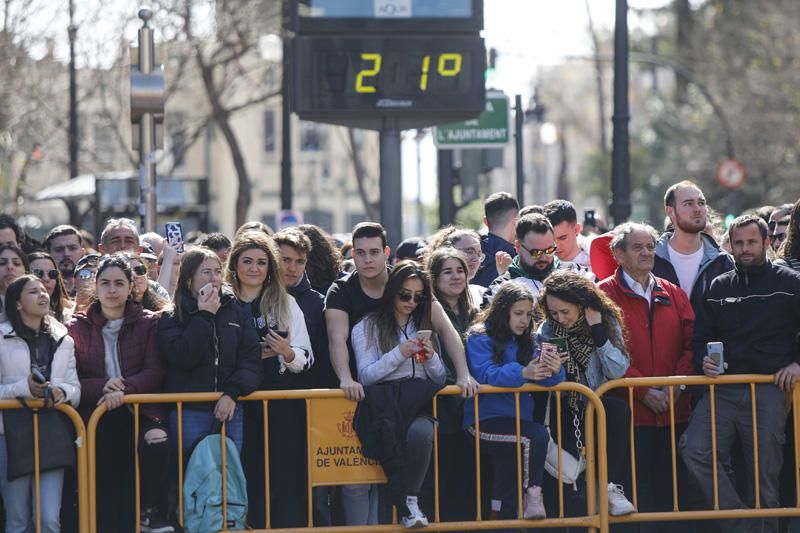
(500, 352)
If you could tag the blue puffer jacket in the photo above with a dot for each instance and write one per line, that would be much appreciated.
(480, 351)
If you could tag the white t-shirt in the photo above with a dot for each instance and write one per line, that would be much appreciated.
(686, 267)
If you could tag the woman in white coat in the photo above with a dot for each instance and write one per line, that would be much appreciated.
(30, 339)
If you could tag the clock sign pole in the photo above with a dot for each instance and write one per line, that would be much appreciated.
(388, 65)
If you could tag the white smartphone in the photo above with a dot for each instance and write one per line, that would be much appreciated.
(424, 334)
(716, 352)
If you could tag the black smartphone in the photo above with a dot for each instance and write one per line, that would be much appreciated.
(284, 334)
(589, 218)
(38, 377)
(174, 234)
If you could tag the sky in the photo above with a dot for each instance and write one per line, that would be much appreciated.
(528, 35)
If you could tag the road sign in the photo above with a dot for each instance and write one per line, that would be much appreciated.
(491, 130)
(287, 218)
(731, 173)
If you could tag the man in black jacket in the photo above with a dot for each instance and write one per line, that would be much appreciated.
(754, 310)
(501, 211)
(685, 255)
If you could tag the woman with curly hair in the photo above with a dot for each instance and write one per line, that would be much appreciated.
(789, 252)
(44, 267)
(585, 327)
(324, 259)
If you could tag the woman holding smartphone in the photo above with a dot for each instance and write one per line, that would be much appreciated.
(286, 356)
(117, 354)
(32, 339)
(584, 327)
(500, 351)
(393, 344)
(211, 346)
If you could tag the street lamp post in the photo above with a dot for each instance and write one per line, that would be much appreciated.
(72, 31)
(147, 116)
(620, 158)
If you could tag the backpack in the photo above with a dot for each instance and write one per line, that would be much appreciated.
(202, 488)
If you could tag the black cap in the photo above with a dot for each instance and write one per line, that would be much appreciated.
(411, 248)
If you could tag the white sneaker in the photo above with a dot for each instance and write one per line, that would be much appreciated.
(618, 504)
(413, 518)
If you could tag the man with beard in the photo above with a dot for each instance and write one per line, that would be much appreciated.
(536, 248)
(685, 255)
(754, 310)
(65, 244)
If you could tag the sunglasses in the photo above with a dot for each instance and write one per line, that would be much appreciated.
(86, 274)
(139, 270)
(536, 253)
(39, 273)
(407, 297)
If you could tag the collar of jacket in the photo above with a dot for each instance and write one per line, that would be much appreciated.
(95, 317)
(57, 330)
(658, 290)
(301, 288)
(711, 249)
(755, 273)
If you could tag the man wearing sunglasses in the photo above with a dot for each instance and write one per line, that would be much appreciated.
(778, 224)
(536, 257)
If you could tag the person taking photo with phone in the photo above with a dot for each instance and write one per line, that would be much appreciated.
(754, 311)
(393, 346)
(37, 360)
(585, 327)
(253, 272)
(500, 351)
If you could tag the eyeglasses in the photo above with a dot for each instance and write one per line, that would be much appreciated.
(472, 253)
(86, 274)
(774, 224)
(139, 270)
(537, 253)
(407, 297)
(39, 273)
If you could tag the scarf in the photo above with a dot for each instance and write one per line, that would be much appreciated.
(580, 346)
(521, 270)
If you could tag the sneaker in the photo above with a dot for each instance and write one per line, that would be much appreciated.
(151, 522)
(533, 506)
(618, 504)
(413, 518)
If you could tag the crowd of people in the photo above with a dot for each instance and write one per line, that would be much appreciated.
(535, 299)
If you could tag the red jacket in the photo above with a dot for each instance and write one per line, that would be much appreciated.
(142, 366)
(659, 340)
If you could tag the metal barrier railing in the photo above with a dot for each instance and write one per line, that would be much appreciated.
(676, 513)
(81, 456)
(594, 472)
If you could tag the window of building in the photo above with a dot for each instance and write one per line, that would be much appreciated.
(269, 131)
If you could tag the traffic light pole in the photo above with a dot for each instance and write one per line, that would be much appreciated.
(447, 209)
(519, 117)
(391, 200)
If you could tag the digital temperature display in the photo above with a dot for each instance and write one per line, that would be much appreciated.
(424, 74)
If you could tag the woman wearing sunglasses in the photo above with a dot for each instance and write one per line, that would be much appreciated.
(117, 353)
(390, 347)
(13, 264)
(584, 326)
(85, 270)
(44, 267)
(143, 292)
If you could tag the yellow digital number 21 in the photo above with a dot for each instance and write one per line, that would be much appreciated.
(368, 72)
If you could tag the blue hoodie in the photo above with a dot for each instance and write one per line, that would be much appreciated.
(480, 350)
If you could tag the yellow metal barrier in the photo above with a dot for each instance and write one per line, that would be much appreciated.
(81, 455)
(595, 473)
(716, 513)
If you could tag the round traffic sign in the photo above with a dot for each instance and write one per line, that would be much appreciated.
(731, 173)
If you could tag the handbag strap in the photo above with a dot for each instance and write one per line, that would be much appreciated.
(575, 422)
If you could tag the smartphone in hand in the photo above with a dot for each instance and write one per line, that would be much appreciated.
(716, 353)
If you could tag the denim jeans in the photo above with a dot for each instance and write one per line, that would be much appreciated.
(20, 502)
(197, 424)
(360, 504)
